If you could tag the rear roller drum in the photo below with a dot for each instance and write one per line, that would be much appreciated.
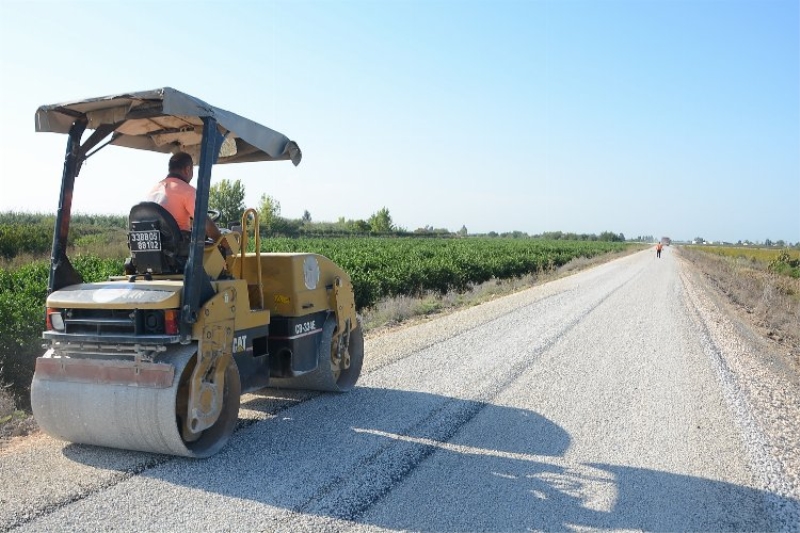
(137, 418)
(338, 367)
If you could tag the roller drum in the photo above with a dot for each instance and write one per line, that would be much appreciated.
(132, 417)
(324, 378)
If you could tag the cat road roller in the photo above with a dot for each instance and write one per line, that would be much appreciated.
(156, 359)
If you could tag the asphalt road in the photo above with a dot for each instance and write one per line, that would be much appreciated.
(587, 403)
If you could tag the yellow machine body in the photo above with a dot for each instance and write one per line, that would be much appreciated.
(156, 360)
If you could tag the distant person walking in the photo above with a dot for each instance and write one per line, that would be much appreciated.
(658, 250)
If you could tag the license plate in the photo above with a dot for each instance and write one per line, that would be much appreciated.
(142, 241)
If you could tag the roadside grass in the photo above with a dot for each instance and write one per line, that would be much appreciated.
(784, 261)
(392, 312)
(768, 296)
(100, 246)
(13, 422)
(752, 253)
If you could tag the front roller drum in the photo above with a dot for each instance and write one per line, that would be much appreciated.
(134, 417)
(336, 371)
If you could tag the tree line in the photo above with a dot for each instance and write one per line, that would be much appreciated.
(32, 233)
(228, 198)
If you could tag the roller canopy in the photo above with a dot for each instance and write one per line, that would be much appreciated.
(166, 120)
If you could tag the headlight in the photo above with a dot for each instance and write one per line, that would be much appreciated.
(55, 320)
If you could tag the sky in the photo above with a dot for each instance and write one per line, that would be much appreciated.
(676, 118)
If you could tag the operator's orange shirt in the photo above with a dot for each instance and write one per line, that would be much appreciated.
(177, 197)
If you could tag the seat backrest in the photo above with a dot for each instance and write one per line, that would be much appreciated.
(156, 243)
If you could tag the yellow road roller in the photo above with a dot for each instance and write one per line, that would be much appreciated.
(156, 359)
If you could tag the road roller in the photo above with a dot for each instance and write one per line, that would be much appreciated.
(156, 358)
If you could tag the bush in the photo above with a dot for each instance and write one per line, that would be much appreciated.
(785, 265)
(25, 238)
(22, 295)
(31, 233)
(22, 300)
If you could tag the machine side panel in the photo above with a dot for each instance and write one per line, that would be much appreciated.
(294, 344)
(252, 358)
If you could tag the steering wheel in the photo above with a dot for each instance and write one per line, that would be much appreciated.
(214, 215)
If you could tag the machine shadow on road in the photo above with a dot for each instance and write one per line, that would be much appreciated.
(423, 462)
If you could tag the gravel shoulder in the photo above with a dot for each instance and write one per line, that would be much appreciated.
(610, 399)
(759, 382)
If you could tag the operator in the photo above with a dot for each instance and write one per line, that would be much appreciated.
(175, 195)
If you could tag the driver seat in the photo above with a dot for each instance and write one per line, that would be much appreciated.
(166, 254)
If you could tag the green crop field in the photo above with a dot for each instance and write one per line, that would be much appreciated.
(385, 267)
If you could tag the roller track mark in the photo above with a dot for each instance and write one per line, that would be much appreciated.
(369, 481)
(35, 514)
(465, 331)
(461, 333)
(153, 461)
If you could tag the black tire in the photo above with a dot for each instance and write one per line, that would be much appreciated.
(214, 438)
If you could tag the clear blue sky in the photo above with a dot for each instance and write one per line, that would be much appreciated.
(646, 117)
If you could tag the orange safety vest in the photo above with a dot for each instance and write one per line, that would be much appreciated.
(177, 197)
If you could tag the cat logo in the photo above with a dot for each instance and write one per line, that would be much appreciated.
(239, 343)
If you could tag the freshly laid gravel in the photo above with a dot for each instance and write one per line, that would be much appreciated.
(615, 399)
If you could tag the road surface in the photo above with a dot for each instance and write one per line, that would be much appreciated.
(597, 401)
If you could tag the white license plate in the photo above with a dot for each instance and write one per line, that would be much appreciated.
(142, 241)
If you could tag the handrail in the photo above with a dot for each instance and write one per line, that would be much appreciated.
(257, 239)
